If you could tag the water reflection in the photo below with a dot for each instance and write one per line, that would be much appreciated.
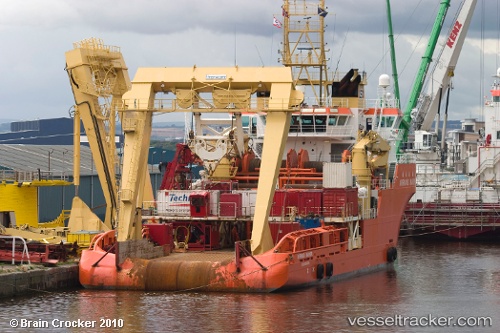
(438, 278)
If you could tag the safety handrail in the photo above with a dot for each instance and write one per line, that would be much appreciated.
(25, 248)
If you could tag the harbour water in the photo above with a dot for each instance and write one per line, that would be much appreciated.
(435, 286)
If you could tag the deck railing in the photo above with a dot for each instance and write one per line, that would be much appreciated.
(31, 176)
(25, 248)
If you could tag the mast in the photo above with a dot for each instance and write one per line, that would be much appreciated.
(304, 47)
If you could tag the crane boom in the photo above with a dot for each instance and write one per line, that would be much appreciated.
(393, 53)
(419, 80)
(444, 68)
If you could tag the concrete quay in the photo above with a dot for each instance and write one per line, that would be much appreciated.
(27, 279)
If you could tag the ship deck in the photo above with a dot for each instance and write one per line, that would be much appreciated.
(206, 256)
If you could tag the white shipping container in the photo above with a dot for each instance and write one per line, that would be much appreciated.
(337, 175)
(446, 194)
(459, 196)
(425, 195)
(489, 195)
(176, 202)
(248, 199)
(472, 195)
(173, 202)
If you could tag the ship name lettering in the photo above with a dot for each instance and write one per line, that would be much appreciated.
(301, 256)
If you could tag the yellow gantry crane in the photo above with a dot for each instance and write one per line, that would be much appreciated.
(98, 72)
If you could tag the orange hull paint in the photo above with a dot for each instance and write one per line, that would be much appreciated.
(285, 266)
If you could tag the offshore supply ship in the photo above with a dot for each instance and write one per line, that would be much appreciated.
(218, 233)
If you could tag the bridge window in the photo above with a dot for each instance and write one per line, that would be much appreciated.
(427, 140)
(337, 120)
(390, 121)
(295, 124)
(387, 121)
(342, 120)
(254, 125)
(307, 123)
(320, 123)
(245, 120)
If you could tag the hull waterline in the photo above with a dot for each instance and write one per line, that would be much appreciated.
(319, 256)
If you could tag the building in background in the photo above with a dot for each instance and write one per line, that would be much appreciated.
(57, 131)
(37, 157)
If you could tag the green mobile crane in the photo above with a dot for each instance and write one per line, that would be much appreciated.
(422, 72)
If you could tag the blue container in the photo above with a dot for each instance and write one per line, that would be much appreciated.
(309, 223)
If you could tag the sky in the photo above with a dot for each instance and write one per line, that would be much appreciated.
(35, 35)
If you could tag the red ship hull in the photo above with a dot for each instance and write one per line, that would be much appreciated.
(457, 221)
(301, 258)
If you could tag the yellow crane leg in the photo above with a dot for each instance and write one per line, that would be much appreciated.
(137, 128)
(277, 126)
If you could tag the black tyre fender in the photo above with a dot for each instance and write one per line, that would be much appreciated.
(320, 271)
(328, 269)
(392, 254)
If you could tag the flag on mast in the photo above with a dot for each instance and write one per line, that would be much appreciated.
(322, 12)
(276, 22)
(284, 12)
